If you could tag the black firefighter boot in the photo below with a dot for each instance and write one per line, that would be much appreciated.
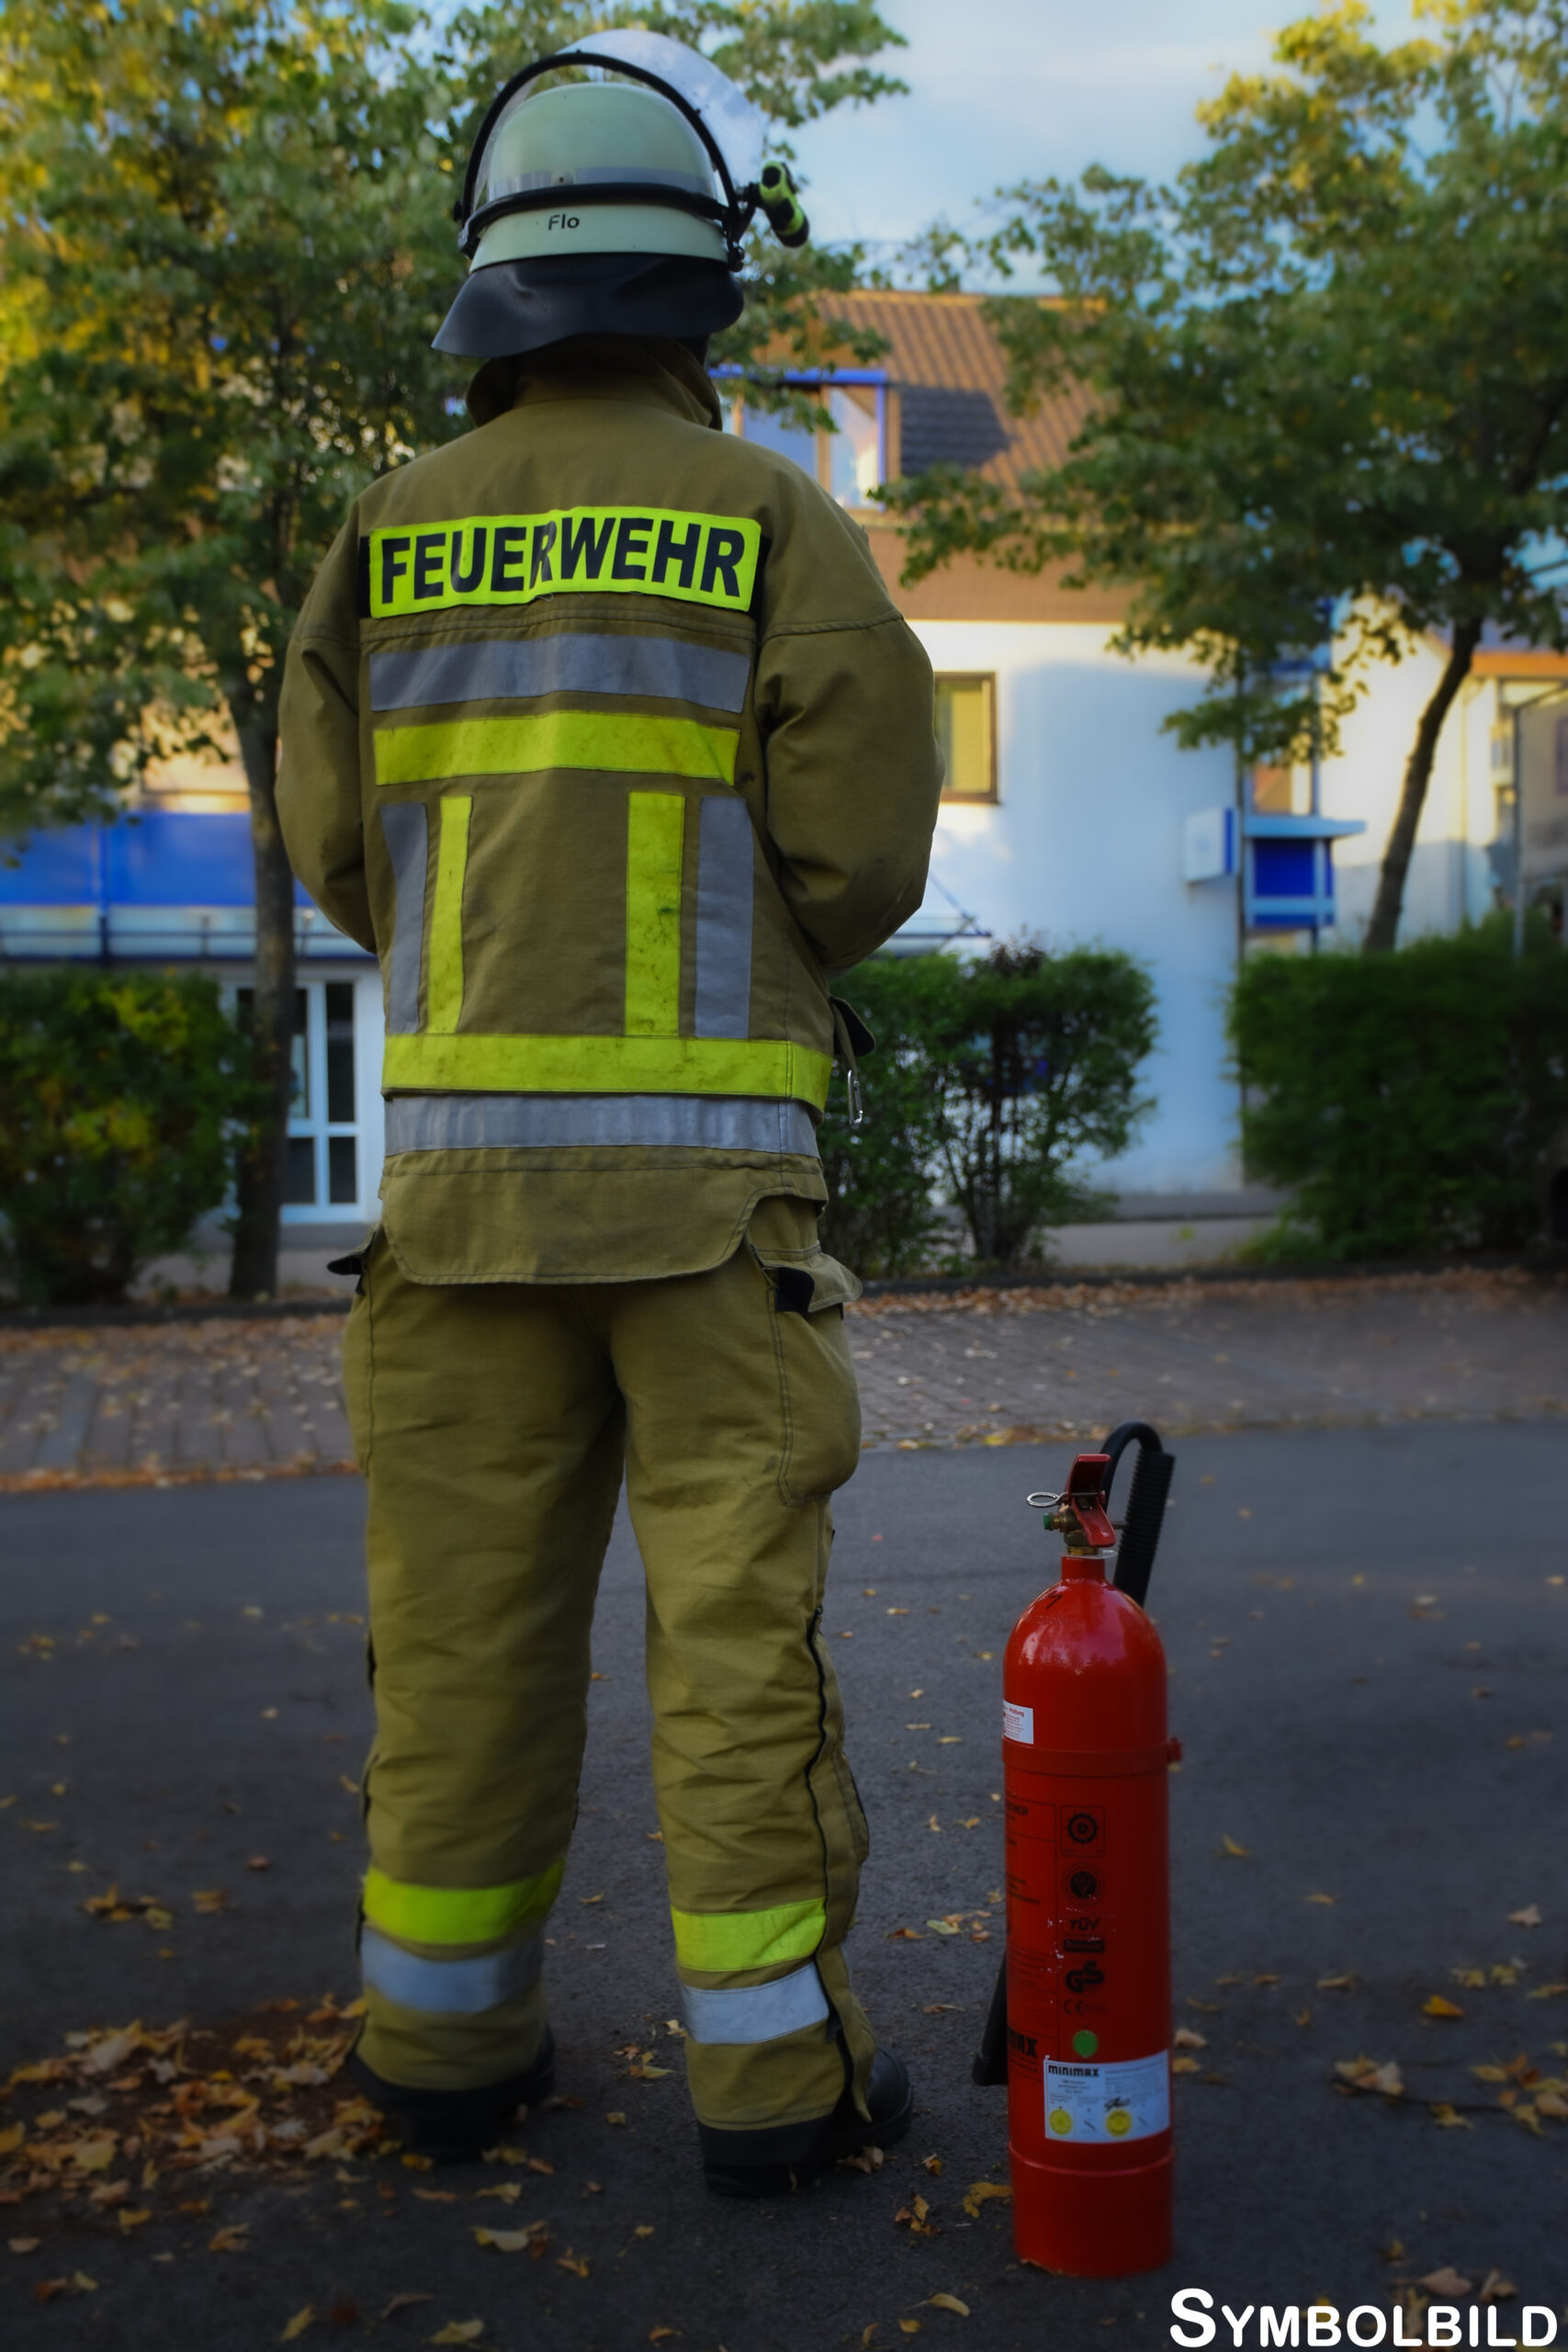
(776, 2158)
(454, 2127)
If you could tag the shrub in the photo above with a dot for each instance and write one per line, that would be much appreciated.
(118, 1101)
(881, 1217)
(1408, 1098)
(1038, 1056)
(1002, 1075)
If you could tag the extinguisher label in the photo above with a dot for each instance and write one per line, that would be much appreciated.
(1107, 2105)
(1018, 1723)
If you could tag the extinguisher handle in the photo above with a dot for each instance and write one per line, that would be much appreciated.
(990, 2066)
(1144, 1521)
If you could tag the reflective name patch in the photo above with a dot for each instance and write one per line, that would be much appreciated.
(513, 558)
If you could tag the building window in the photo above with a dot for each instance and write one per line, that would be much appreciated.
(848, 462)
(966, 730)
(320, 1168)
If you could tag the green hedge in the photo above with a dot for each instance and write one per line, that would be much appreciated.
(1409, 1099)
(992, 1081)
(120, 1100)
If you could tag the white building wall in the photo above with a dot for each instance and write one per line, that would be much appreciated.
(1084, 845)
(1449, 882)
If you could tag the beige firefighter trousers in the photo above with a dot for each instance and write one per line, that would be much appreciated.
(492, 1424)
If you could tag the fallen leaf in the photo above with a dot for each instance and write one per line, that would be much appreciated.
(461, 2331)
(1335, 1983)
(976, 2193)
(1495, 2289)
(940, 1927)
(11, 2138)
(1184, 2039)
(209, 1900)
(1529, 1918)
(949, 2303)
(1229, 1845)
(931, 2165)
(24, 2245)
(297, 2324)
(1446, 2281)
(1364, 2074)
(345, 1782)
(1184, 2067)
(576, 2263)
(1553, 2103)
(1320, 1899)
(643, 2230)
(1450, 2118)
(258, 1862)
(615, 2116)
(504, 2241)
(1435, 2006)
(235, 2239)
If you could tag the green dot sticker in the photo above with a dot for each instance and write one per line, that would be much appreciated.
(1085, 2044)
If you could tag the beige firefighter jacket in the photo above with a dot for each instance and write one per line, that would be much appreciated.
(599, 729)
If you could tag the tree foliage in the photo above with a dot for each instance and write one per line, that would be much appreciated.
(225, 244)
(123, 1097)
(1328, 371)
(1409, 1101)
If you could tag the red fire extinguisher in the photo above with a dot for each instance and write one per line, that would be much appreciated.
(1081, 2025)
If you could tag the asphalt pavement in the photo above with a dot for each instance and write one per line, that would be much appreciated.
(1368, 1633)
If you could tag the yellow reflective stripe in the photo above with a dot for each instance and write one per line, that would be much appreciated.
(597, 550)
(443, 985)
(477, 1064)
(457, 1914)
(720, 1942)
(624, 741)
(656, 828)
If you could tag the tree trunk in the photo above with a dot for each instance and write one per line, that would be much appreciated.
(1384, 924)
(259, 1185)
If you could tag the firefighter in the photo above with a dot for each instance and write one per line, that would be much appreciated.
(600, 730)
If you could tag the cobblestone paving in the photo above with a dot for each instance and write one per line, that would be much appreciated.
(151, 1405)
(1008, 1365)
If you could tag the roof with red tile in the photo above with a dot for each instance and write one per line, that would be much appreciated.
(951, 375)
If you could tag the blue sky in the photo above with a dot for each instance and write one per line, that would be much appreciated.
(1002, 90)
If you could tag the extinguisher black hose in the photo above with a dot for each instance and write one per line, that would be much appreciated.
(1142, 1525)
(990, 2066)
(1143, 1520)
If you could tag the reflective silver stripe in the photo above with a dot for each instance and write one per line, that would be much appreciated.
(497, 668)
(723, 918)
(448, 1988)
(564, 1121)
(407, 830)
(756, 2012)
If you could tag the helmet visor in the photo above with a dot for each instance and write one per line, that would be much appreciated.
(735, 125)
